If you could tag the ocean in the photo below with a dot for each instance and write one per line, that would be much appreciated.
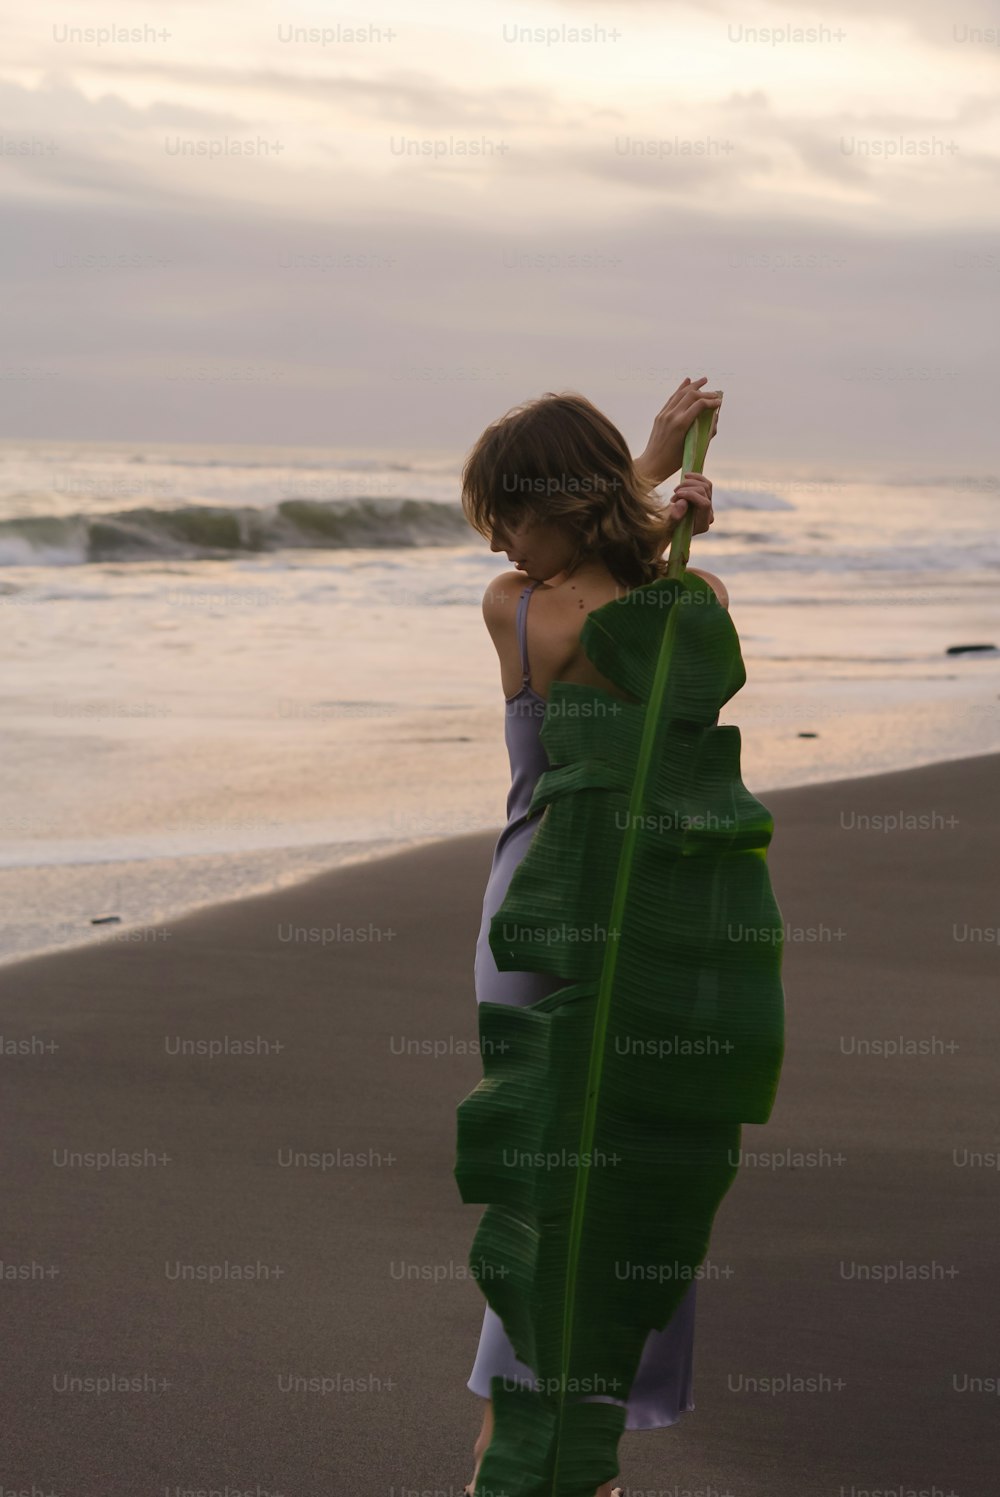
(226, 669)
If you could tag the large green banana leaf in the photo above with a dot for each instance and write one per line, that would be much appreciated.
(606, 1129)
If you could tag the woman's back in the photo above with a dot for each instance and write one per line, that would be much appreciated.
(559, 609)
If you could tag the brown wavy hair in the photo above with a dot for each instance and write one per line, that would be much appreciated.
(559, 458)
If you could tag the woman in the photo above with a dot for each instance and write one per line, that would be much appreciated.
(552, 483)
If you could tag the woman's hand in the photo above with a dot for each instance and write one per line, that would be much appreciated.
(664, 451)
(695, 490)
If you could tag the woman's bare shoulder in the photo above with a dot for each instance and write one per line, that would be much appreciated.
(715, 583)
(500, 597)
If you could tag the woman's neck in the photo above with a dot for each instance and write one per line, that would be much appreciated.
(586, 571)
(591, 573)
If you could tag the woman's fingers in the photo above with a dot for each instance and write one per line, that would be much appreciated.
(692, 390)
(694, 489)
(695, 398)
(690, 397)
(695, 486)
(703, 516)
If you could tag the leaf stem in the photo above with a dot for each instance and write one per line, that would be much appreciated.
(695, 448)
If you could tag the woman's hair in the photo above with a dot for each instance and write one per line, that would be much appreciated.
(559, 458)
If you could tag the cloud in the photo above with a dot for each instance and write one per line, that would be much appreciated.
(400, 96)
(60, 104)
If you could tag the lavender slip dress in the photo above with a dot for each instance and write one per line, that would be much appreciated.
(662, 1387)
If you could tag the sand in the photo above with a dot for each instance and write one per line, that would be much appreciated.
(854, 1256)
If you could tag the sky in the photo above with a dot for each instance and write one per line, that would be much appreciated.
(230, 222)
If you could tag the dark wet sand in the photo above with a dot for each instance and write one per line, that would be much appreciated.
(885, 1391)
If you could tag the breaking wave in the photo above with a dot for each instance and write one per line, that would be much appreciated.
(200, 531)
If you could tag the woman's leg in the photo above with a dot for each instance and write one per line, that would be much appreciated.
(483, 1439)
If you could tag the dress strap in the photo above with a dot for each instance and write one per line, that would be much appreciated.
(522, 628)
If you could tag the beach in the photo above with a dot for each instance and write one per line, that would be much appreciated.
(235, 1257)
